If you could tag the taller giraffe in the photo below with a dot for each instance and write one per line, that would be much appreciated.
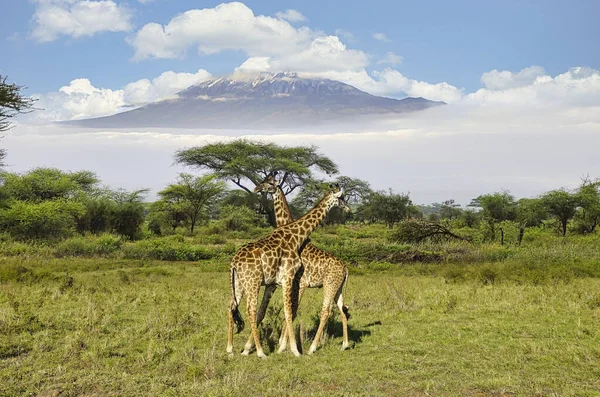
(321, 269)
(273, 260)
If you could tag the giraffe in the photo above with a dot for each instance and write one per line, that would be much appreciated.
(273, 260)
(321, 269)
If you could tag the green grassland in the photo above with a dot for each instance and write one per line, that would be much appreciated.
(433, 319)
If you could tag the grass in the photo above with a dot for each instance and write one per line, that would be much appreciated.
(109, 326)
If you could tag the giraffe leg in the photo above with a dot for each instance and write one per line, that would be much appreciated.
(288, 304)
(251, 302)
(325, 313)
(269, 289)
(283, 336)
(237, 292)
(345, 315)
(230, 331)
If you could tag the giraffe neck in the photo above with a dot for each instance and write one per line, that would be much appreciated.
(283, 215)
(309, 222)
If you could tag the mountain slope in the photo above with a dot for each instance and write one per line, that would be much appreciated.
(267, 100)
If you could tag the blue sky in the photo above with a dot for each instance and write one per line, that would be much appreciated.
(439, 40)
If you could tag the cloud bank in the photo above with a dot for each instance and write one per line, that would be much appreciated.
(77, 18)
(453, 152)
(81, 99)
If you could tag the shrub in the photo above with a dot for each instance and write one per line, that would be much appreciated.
(166, 250)
(89, 246)
(240, 218)
(47, 220)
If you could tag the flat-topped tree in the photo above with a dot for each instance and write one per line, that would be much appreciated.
(247, 163)
(274, 259)
(12, 103)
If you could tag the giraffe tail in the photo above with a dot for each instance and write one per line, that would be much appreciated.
(344, 307)
(237, 317)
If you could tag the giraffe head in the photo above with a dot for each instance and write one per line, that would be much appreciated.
(335, 198)
(269, 185)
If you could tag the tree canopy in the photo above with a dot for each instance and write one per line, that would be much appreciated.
(562, 205)
(245, 162)
(42, 184)
(387, 207)
(12, 102)
(188, 197)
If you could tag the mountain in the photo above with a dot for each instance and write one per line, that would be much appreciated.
(265, 100)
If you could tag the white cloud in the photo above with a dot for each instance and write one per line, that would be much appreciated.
(381, 37)
(391, 82)
(579, 86)
(291, 16)
(455, 152)
(80, 99)
(390, 58)
(325, 53)
(274, 45)
(77, 18)
(168, 83)
(145, 1)
(228, 26)
(495, 80)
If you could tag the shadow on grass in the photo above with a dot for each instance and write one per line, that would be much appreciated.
(334, 329)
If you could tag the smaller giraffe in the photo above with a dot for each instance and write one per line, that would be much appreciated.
(273, 260)
(321, 269)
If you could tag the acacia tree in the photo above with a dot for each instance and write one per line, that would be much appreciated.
(387, 207)
(247, 163)
(562, 205)
(129, 212)
(587, 216)
(450, 210)
(495, 208)
(355, 192)
(12, 102)
(42, 184)
(530, 212)
(190, 195)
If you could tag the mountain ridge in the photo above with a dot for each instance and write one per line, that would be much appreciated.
(278, 100)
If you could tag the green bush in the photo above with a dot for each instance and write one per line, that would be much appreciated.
(47, 220)
(240, 218)
(89, 246)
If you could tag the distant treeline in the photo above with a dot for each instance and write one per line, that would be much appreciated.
(50, 204)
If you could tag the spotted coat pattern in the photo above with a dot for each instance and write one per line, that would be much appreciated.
(273, 260)
(321, 269)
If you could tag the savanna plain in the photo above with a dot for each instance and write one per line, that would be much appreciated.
(102, 316)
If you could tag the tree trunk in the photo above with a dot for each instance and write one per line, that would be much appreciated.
(564, 227)
(501, 236)
(521, 233)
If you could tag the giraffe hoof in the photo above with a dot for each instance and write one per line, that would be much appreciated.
(261, 355)
(245, 353)
(312, 350)
(344, 346)
(297, 353)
